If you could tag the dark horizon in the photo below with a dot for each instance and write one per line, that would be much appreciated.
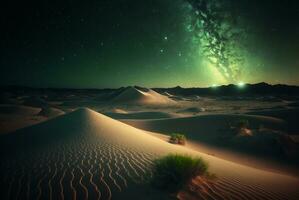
(141, 86)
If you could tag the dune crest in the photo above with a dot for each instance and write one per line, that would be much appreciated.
(132, 95)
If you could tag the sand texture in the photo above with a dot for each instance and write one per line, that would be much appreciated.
(86, 155)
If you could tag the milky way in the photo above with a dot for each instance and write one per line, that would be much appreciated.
(218, 33)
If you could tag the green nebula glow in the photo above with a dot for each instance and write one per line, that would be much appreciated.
(241, 84)
(218, 37)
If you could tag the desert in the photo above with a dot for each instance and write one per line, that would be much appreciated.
(108, 150)
(149, 99)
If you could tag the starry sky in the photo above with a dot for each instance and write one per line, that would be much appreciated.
(151, 43)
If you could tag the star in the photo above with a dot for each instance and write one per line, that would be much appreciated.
(166, 38)
(162, 50)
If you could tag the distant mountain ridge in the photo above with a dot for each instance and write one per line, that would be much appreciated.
(231, 89)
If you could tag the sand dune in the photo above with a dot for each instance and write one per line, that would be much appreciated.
(167, 94)
(35, 101)
(13, 117)
(118, 110)
(192, 110)
(86, 155)
(51, 112)
(6, 98)
(132, 95)
(141, 115)
(289, 115)
(9, 109)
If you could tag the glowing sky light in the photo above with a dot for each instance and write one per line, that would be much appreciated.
(241, 84)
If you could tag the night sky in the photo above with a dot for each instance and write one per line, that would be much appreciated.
(151, 43)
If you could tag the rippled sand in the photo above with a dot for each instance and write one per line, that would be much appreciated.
(86, 155)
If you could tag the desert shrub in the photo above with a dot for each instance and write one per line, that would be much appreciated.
(242, 128)
(241, 124)
(177, 138)
(173, 171)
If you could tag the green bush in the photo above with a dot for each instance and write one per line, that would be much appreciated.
(243, 123)
(177, 138)
(173, 171)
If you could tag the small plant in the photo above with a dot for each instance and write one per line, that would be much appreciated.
(242, 124)
(242, 128)
(173, 171)
(177, 138)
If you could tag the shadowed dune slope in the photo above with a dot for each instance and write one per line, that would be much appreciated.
(289, 115)
(86, 155)
(214, 134)
(206, 126)
(8, 109)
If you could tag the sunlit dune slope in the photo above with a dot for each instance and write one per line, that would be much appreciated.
(141, 115)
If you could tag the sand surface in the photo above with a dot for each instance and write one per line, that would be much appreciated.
(86, 155)
(212, 134)
(290, 115)
(13, 117)
(50, 112)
